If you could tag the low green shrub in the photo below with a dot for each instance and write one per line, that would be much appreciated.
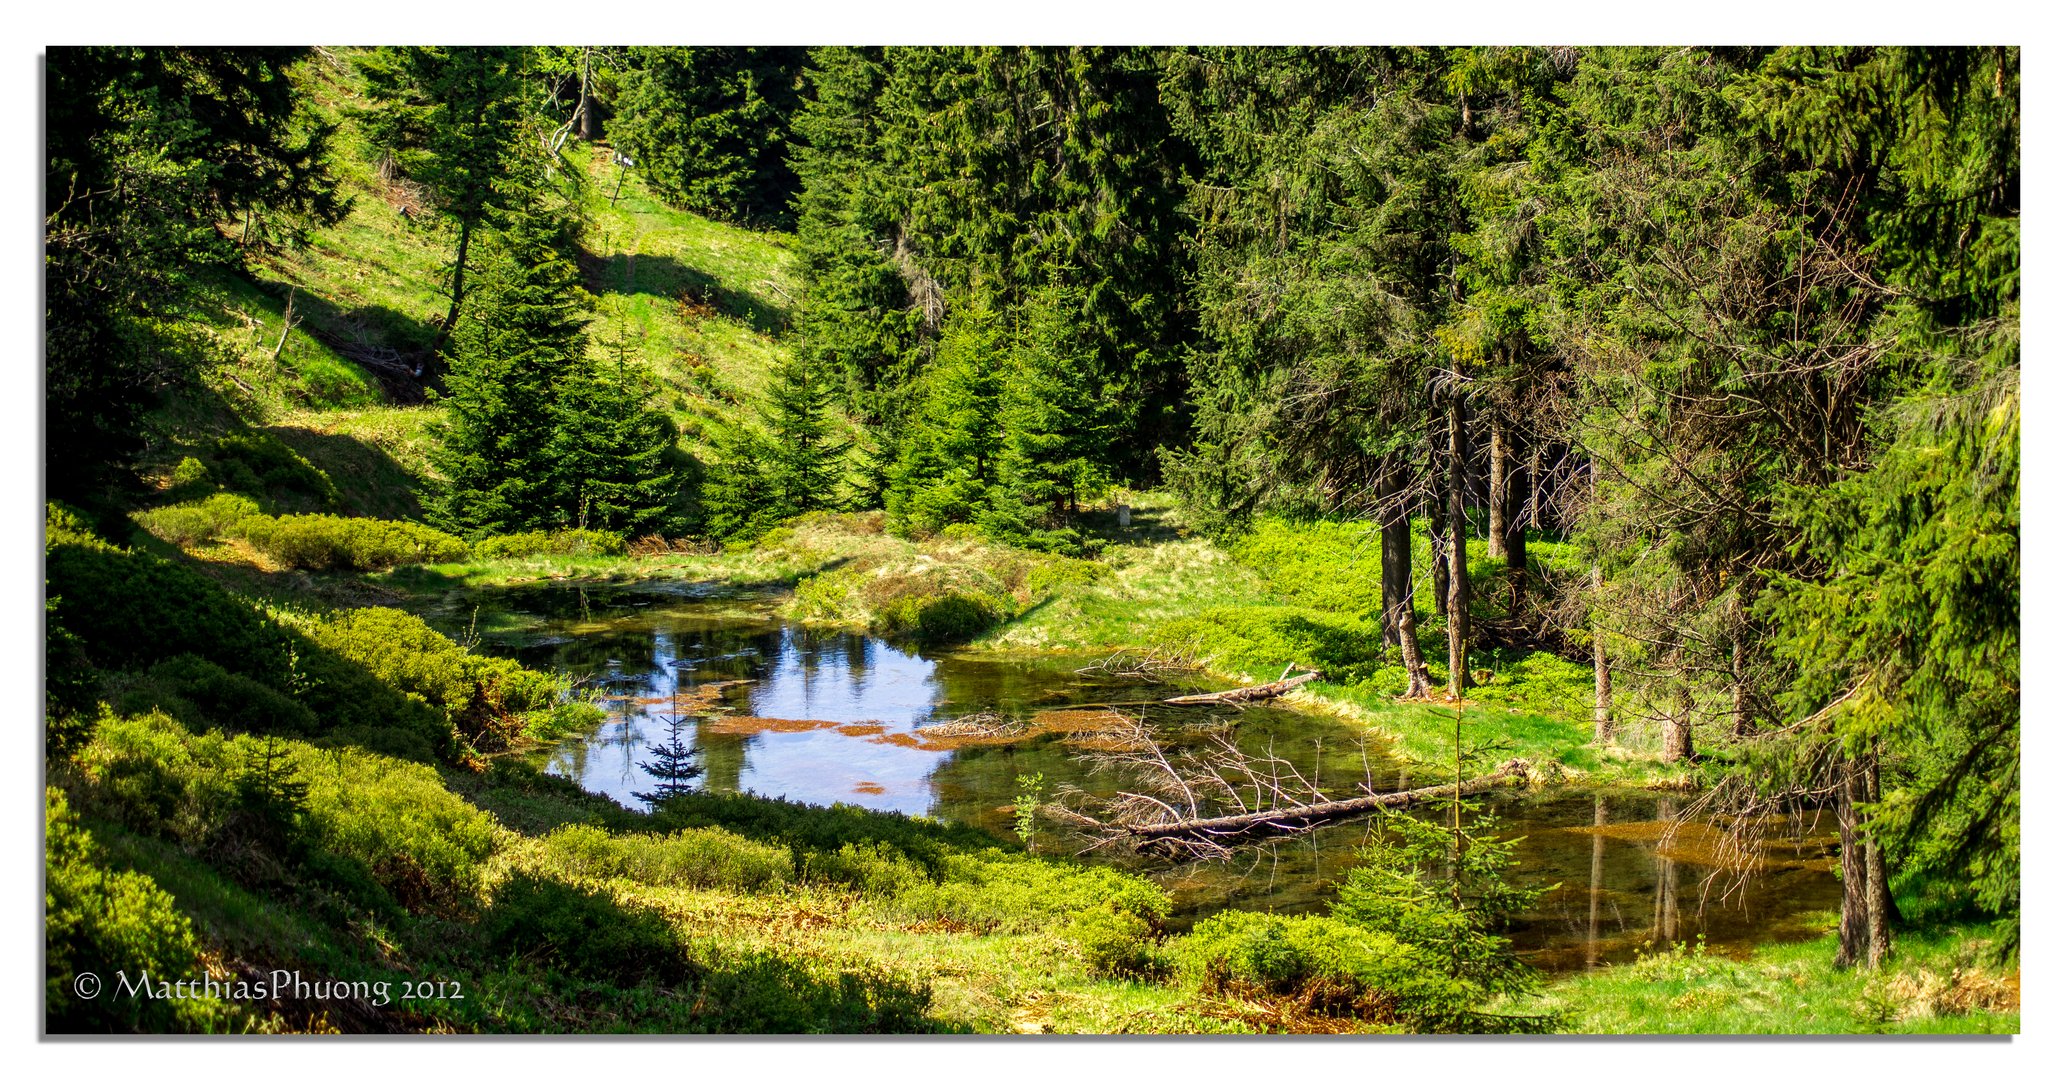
(996, 890)
(872, 869)
(581, 930)
(259, 464)
(112, 924)
(1116, 943)
(697, 858)
(487, 699)
(326, 542)
(941, 617)
(1347, 648)
(205, 695)
(197, 522)
(561, 542)
(1328, 966)
(1329, 565)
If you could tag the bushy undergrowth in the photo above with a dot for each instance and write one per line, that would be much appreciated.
(105, 921)
(489, 700)
(325, 542)
(131, 611)
(695, 858)
(306, 541)
(366, 816)
(560, 542)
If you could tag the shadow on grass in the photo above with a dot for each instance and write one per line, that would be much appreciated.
(669, 278)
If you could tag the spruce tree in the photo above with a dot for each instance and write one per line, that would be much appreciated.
(948, 459)
(672, 765)
(513, 355)
(1050, 429)
(709, 127)
(614, 457)
(806, 463)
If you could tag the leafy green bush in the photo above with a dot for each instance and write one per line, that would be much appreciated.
(326, 542)
(197, 522)
(204, 694)
(130, 611)
(581, 930)
(996, 890)
(106, 922)
(1328, 966)
(698, 858)
(872, 869)
(1329, 565)
(943, 617)
(1116, 943)
(561, 542)
(259, 464)
(486, 698)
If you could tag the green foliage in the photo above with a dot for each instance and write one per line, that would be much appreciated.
(947, 458)
(787, 460)
(110, 923)
(486, 698)
(149, 148)
(260, 465)
(1026, 807)
(693, 858)
(1116, 943)
(1442, 891)
(1329, 565)
(1916, 628)
(325, 542)
(1345, 647)
(540, 542)
(995, 890)
(581, 930)
(198, 522)
(709, 127)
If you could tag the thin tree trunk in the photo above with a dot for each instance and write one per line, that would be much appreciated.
(1459, 577)
(1438, 552)
(1603, 681)
(1678, 727)
(1515, 544)
(1496, 504)
(1395, 549)
(1880, 909)
(1535, 485)
(1739, 693)
(1854, 918)
(1418, 685)
(591, 126)
(466, 227)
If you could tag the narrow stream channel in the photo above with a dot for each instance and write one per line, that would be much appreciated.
(828, 717)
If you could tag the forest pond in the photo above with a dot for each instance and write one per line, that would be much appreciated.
(828, 717)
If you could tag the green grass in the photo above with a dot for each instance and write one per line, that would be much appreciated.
(1938, 982)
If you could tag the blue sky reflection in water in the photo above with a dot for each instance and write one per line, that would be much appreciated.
(830, 716)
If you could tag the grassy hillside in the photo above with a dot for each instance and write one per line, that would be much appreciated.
(699, 304)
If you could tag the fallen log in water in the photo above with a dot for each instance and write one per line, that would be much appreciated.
(1307, 814)
(1242, 695)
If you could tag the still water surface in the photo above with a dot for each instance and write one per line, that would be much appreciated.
(835, 717)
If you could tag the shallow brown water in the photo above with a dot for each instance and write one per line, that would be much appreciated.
(835, 717)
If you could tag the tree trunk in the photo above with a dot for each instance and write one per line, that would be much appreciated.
(1460, 576)
(1854, 937)
(1418, 685)
(1496, 502)
(1603, 681)
(1678, 727)
(437, 348)
(1535, 485)
(591, 127)
(1395, 550)
(1515, 546)
(1438, 552)
(1514, 771)
(1880, 898)
(1739, 693)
